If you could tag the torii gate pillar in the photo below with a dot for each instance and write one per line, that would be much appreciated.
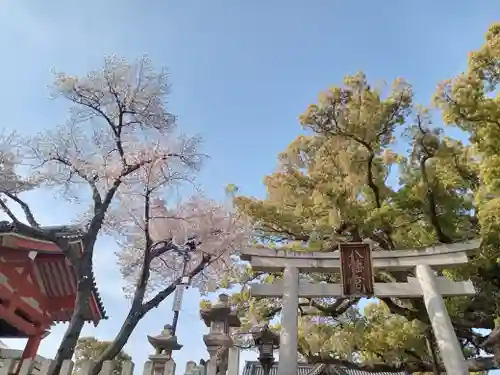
(289, 323)
(449, 347)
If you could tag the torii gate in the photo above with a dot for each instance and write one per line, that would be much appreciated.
(356, 263)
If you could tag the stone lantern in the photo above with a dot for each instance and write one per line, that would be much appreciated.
(161, 363)
(219, 318)
(266, 341)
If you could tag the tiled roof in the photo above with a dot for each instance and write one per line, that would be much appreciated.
(69, 232)
(254, 368)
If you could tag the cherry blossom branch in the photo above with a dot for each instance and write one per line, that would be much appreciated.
(95, 105)
(131, 168)
(96, 196)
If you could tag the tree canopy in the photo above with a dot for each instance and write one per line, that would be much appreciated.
(373, 165)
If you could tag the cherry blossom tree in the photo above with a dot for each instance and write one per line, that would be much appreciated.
(120, 148)
(154, 239)
(11, 182)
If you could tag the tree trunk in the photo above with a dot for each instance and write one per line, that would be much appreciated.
(68, 343)
(136, 313)
(431, 347)
(84, 287)
(119, 342)
(84, 290)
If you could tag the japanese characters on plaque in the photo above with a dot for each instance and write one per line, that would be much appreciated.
(179, 293)
(356, 269)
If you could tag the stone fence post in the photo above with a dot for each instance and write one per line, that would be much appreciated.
(193, 369)
(234, 361)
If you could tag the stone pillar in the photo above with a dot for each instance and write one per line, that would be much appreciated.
(449, 347)
(191, 367)
(288, 356)
(234, 361)
(161, 363)
(211, 368)
(220, 319)
(200, 370)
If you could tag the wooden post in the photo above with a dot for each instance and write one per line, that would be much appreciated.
(31, 347)
(29, 353)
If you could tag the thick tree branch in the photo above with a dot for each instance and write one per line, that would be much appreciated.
(8, 211)
(140, 289)
(30, 218)
(339, 307)
(409, 314)
(286, 232)
(432, 205)
(432, 349)
(431, 198)
(160, 296)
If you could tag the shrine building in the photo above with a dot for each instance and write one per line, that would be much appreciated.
(38, 286)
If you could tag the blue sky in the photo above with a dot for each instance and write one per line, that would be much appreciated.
(242, 71)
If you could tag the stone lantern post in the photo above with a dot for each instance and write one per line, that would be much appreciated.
(220, 319)
(161, 363)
